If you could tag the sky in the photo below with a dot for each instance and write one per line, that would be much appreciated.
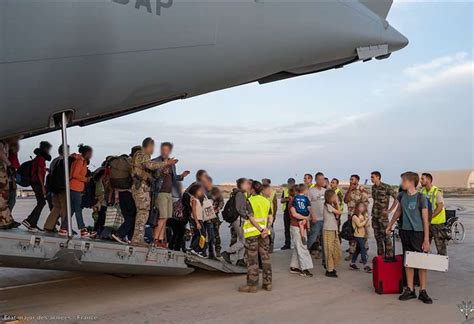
(413, 111)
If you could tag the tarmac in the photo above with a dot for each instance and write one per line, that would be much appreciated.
(40, 296)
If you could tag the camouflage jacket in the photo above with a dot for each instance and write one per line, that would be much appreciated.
(143, 168)
(356, 195)
(381, 196)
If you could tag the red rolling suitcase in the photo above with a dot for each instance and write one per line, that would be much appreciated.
(387, 273)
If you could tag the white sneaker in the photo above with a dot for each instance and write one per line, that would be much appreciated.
(118, 239)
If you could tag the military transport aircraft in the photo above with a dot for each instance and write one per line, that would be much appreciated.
(78, 62)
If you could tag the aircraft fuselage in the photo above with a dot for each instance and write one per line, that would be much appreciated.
(105, 58)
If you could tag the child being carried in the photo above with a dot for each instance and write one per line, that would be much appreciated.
(302, 206)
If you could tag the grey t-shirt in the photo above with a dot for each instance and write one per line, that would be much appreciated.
(411, 211)
(330, 222)
(316, 197)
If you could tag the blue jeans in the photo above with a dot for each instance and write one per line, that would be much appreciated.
(196, 235)
(316, 234)
(360, 249)
(76, 209)
(211, 238)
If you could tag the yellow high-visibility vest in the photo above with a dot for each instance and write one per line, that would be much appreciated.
(341, 203)
(312, 186)
(261, 210)
(286, 194)
(431, 195)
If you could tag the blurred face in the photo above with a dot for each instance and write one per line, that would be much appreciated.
(333, 184)
(202, 177)
(88, 155)
(361, 208)
(267, 192)
(15, 147)
(308, 179)
(246, 186)
(207, 183)
(406, 184)
(200, 193)
(320, 181)
(333, 199)
(165, 151)
(149, 149)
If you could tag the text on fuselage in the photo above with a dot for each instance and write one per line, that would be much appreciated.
(147, 4)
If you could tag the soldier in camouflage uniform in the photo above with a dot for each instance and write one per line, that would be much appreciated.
(6, 220)
(257, 241)
(381, 193)
(355, 194)
(142, 174)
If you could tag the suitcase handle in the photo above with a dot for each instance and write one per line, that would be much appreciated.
(392, 258)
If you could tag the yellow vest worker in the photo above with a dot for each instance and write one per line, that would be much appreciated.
(261, 210)
(341, 201)
(432, 196)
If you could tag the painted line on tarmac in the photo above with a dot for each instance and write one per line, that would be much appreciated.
(39, 283)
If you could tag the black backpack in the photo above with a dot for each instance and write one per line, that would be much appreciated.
(88, 196)
(230, 213)
(23, 174)
(56, 181)
(347, 231)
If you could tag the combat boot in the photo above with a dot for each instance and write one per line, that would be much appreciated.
(241, 263)
(140, 244)
(267, 287)
(248, 289)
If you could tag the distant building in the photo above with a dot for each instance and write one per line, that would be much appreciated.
(453, 178)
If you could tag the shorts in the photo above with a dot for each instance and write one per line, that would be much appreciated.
(412, 241)
(164, 203)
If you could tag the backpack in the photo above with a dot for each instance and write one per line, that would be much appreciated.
(347, 231)
(230, 213)
(178, 211)
(23, 174)
(56, 181)
(420, 198)
(120, 175)
(88, 196)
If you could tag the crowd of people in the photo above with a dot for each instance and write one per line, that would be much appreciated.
(156, 210)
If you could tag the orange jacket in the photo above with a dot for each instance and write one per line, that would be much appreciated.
(78, 173)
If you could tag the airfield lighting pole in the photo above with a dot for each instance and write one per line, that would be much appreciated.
(66, 173)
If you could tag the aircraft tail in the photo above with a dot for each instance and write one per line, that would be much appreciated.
(380, 7)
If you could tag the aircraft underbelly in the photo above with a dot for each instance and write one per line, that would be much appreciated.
(104, 58)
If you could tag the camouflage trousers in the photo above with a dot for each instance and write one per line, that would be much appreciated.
(217, 237)
(438, 233)
(142, 198)
(255, 246)
(379, 225)
(5, 214)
